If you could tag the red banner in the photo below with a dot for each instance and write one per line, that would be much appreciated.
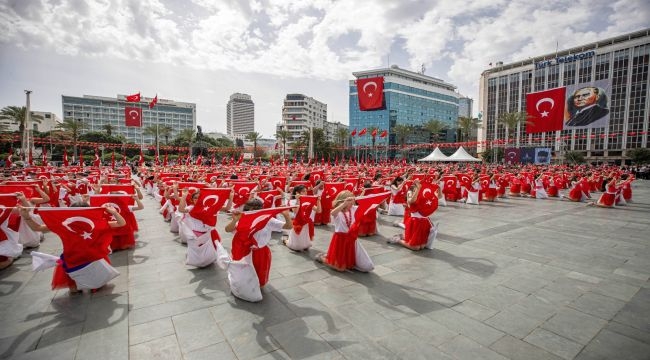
(371, 93)
(133, 98)
(133, 116)
(545, 110)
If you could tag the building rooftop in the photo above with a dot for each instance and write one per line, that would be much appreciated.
(396, 70)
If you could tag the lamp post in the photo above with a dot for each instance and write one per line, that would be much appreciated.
(25, 134)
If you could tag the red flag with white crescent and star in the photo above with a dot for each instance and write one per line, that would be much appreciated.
(369, 203)
(353, 132)
(9, 161)
(370, 92)
(153, 102)
(65, 157)
(384, 134)
(427, 201)
(242, 192)
(210, 201)
(132, 116)
(545, 110)
(96, 162)
(133, 98)
(362, 132)
(84, 231)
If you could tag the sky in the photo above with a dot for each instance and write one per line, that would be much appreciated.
(202, 51)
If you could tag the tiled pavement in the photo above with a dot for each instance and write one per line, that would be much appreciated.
(517, 279)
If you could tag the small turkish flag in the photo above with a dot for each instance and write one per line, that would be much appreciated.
(132, 116)
(210, 201)
(427, 201)
(362, 132)
(65, 157)
(133, 98)
(374, 132)
(545, 110)
(384, 134)
(354, 132)
(369, 203)
(370, 93)
(153, 102)
(85, 232)
(242, 192)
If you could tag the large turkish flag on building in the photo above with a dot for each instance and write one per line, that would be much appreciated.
(545, 110)
(132, 116)
(371, 93)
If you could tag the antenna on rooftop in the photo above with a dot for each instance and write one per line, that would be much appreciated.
(423, 69)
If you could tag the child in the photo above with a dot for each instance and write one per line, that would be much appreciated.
(420, 232)
(302, 233)
(341, 254)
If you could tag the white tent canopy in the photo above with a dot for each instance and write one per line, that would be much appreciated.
(461, 155)
(436, 155)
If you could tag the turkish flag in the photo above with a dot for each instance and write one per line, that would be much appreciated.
(65, 157)
(269, 197)
(210, 201)
(545, 110)
(96, 162)
(26, 188)
(85, 233)
(278, 182)
(363, 132)
(354, 132)
(9, 161)
(242, 192)
(125, 189)
(374, 132)
(303, 214)
(133, 98)
(251, 222)
(120, 202)
(332, 189)
(371, 93)
(141, 159)
(132, 116)
(153, 102)
(384, 134)
(427, 201)
(369, 203)
(7, 202)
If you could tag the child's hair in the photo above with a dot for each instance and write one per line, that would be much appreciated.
(340, 198)
(79, 204)
(253, 204)
(296, 190)
(399, 178)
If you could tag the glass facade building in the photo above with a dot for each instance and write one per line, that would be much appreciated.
(410, 98)
(96, 112)
(623, 61)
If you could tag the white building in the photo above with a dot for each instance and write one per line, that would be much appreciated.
(240, 116)
(48, 122)
(299, 113)
(332, 129)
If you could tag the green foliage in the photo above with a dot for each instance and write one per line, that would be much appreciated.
(489, 154)
(467, 126)
(99, 137)
(574, 157)
(639, 155)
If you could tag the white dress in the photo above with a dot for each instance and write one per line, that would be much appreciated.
(395, 209)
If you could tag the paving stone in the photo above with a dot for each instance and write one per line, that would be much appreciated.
(616, 289)
(601, 306)
(609, 345)
(430, 331)
(301, 342)
(525, 284)
(554, 343)
(406, 345)
(222, 351)
(513, 322)
(516, 349)
(498, 298)
(462, 348)
(628, 331)
(636, 312)
(574, 325)
(461, 324)
(162, 348)
(196, 329)
(66, 350)
(150, 331)
(474, 310)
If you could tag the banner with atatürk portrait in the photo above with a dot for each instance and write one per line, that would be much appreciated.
(587, 105)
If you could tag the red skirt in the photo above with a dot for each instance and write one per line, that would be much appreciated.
(552, 191)
(607, 199)
(262, 264)
(417, 231)
(123, 241)
(575, 194)
(515, 188)
(526, 189)
(491, 194)
(61, 280)
(342, 251)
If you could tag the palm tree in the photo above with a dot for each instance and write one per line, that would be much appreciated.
(511, 120)
(109, 129)
(254, 137)
(401, 131)
(283, 135)
(73, 128)
(165, 131)
(466, 126)
(342, 135)
(185, 137)
(16, 114)
(435, 127)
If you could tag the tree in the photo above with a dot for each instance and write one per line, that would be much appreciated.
(435, 127)
(283, 135)
(342, 135)
(639, 155)
(73, 128)
(16, 114)
(401, 132)
(574, 157)
(254, 137)
(184, 138)
(153, 131)
(165, 131)
(511, 120)
(109, 129)
(493, 153)
(466, 126)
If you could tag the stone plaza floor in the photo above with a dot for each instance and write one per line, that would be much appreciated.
(515, 279)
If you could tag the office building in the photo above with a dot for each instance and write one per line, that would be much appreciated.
(96, 112)
(48, 121)
(299, 114)
(618, 66)
(409, 98)
(240, 116)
